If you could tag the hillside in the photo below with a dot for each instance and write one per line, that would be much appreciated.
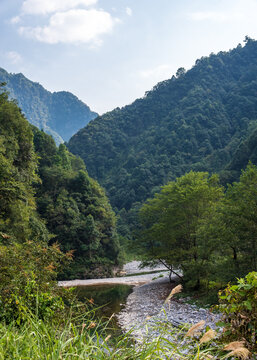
(59, 114)
(195, 120)
(75, 209)
(47, 196)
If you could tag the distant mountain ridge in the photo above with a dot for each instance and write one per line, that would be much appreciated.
(60, 114)
(194, 121)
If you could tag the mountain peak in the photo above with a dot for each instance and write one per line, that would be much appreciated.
(60, 114)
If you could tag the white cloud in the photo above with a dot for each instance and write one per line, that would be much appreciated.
(15, 20)
(234, 11)
(163, 71)
(50, 6)
(215, 16)
(13, 57)
(73, 26)
(129, 11)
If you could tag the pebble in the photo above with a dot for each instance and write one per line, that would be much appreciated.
(145, 305)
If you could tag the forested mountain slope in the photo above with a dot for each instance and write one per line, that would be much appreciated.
(76, 210)
(195, 120)
(246, 151)
(60, 114)
(47, 195)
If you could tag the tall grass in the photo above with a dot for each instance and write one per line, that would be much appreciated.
(87, 339)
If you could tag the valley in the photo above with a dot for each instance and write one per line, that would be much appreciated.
(169, 180)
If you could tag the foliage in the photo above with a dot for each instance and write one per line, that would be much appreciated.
(36, 176)
(28, 280)
(194, 226)
(76, 210)
(93, 340)
(40, 181)
(29, 265)
(239, 306)
(60, 114)
(17, 172)
(239, 219)
(194, 121)
(170, 221)
(230, 230)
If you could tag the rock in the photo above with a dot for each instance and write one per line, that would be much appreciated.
(148, 300)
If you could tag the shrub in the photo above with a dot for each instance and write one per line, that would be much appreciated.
(28, 280)
(239, 306)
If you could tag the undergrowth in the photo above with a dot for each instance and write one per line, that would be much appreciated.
(40, 340)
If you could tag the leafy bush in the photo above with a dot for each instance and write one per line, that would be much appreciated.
(28, 281)
(239, 306)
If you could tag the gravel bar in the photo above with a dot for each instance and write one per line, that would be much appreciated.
(146, 305)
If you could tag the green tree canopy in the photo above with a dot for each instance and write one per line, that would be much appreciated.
(76, 210)
(17, 173)
(233, 228)
(170, 220)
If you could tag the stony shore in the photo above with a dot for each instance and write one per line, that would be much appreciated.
(129, 269)
(124, 280)
(145, 305)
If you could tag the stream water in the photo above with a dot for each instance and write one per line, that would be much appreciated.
(108, 299)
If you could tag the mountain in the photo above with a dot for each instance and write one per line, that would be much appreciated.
(47, 196)
(59, 114)
(195, 120)
(246, 151)
(75, 210)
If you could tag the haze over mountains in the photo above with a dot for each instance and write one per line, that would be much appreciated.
(204, 119)
(59, 114)
(196, 120)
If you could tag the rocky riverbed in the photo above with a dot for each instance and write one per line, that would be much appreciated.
(130, 270)
(145, 305)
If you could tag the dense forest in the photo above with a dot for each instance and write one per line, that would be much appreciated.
(197, 120)
(57, 222)
(75, 209)
(194, 225)
(59, 114)
(46, 195)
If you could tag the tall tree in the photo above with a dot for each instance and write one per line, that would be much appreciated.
(76, 210)
(240, 218)
(17, 172)
(194, 121)
(170, 221)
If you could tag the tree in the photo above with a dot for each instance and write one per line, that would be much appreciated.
(180, 72)
(230, 232)
(239, 215)
(170, 220)
(76, 210)
(29, 266)
(17, 170)
(195, 121)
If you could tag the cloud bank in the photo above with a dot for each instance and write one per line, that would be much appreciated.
(73, 26)
(214, 16)
(64, 21)
(36, 7)
(129, 11)
(13, 57)
(162, 71)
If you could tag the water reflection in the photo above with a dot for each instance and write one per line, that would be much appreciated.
(110, 298)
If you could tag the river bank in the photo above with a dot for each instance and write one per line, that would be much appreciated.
(124, 280)
(129, 269)
(145, 306)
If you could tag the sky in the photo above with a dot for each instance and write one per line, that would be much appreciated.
(110, 52)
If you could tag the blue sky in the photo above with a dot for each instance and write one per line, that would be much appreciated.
(109, 52)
